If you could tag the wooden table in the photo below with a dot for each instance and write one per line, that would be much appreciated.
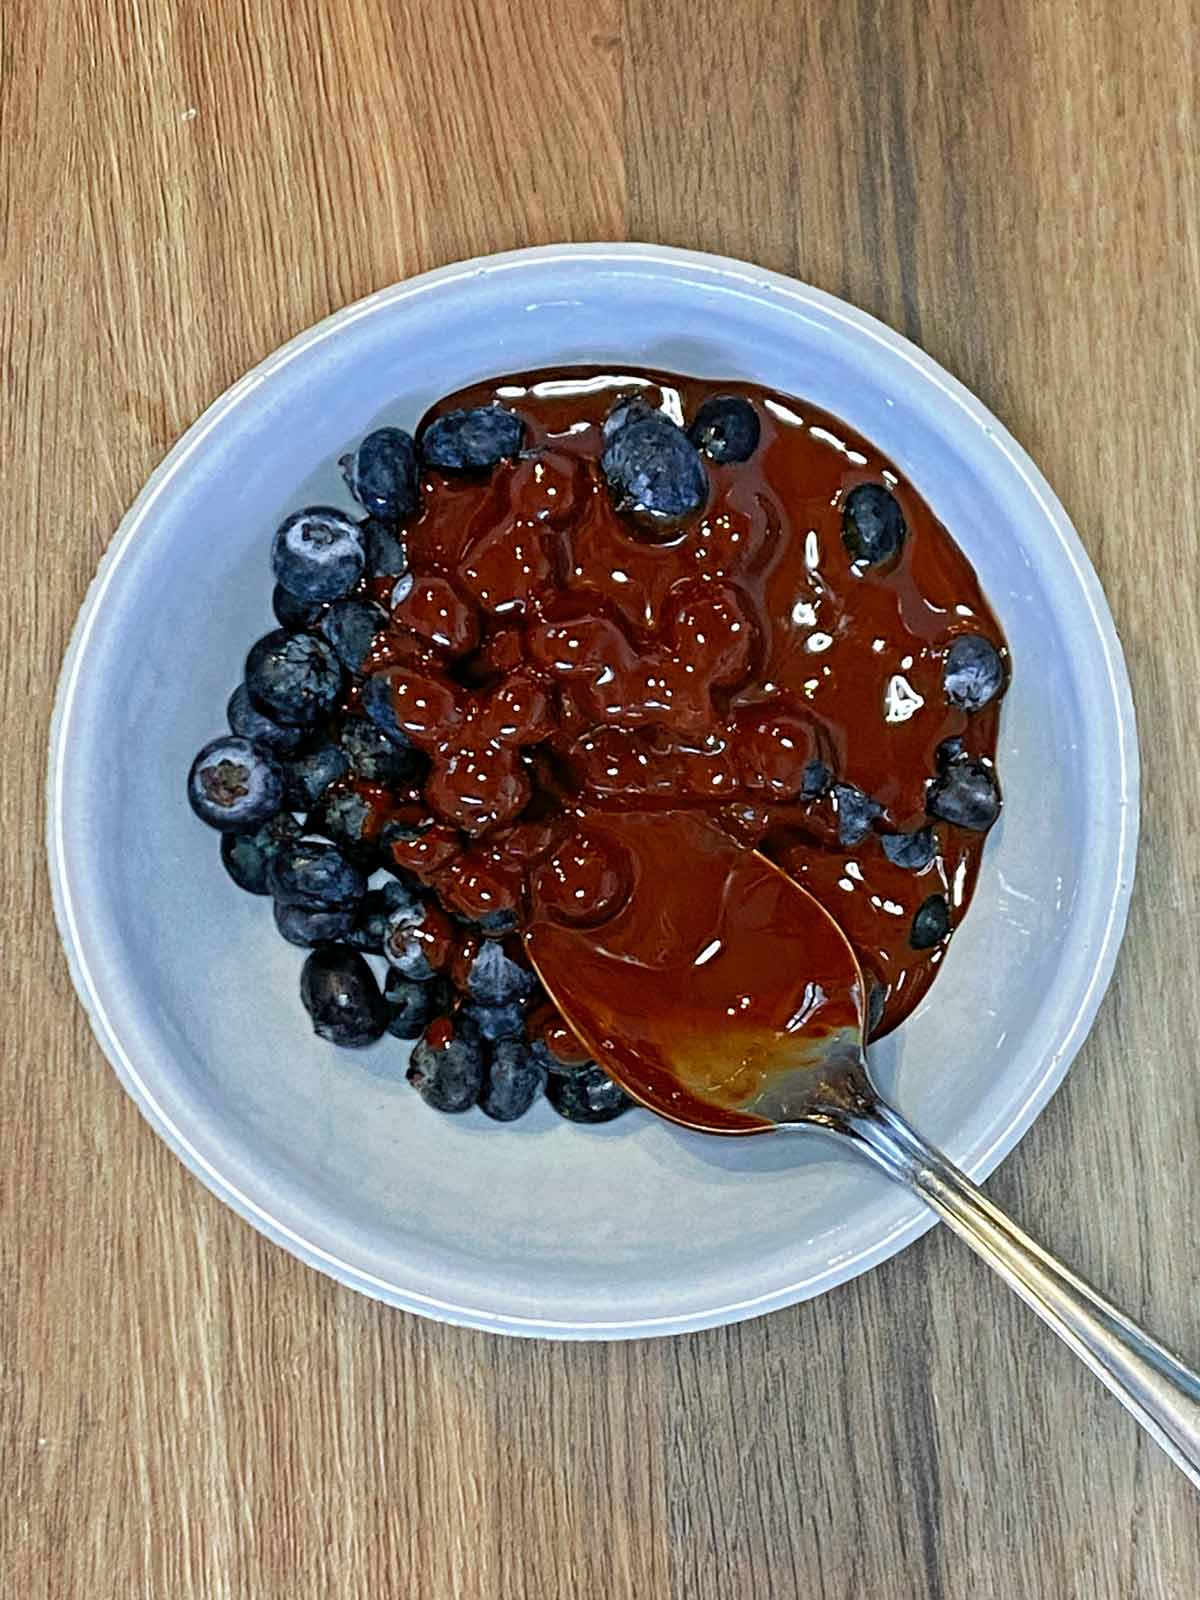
(185, 1411)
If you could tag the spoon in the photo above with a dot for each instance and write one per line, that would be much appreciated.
(723, 996)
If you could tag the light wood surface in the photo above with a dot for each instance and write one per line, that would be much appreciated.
(187, 1412)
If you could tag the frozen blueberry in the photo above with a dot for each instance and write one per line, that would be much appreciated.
(855, 813)
(403, 947)
(317, 875)
(413, 1006)
(341, 996)
(514, 1080)
(629, 408)
(386, 554)
(234, 784)
(247, 856)
(966, 795)
(873, 526)
(588, 1096)
(817, 778)
(377, 906)
(726, 428)
(306, 777)
(293, 677)
(293, 614)
(373, 756)
(350, 628)
(495, 979)
(299, 925)
(447, 1066)
(972, 673)
(382, 474)
(347, 819)
(246, 719)
(654, 472)
(498, 1022)
(377, 703)
(913, 851)
(318, 554)
(474, 440)
(931, 923)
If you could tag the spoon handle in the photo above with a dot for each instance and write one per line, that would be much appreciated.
(1150, 1382)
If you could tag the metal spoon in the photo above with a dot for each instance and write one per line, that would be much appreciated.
(660, 1025)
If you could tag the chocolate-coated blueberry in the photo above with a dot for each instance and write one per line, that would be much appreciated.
(235, 785)
(873, 525)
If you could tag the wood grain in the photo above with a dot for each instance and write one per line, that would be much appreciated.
(185, 1411)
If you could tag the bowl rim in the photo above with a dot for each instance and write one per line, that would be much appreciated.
(760, 282)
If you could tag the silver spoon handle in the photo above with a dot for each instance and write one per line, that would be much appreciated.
(1150, 1382)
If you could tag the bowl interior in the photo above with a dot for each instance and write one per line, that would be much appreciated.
(635, 1226)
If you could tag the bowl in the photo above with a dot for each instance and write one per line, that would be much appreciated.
(543, 1227)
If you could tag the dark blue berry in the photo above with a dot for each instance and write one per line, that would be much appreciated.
(373, 756)
(318, 554)
(235, 785)
(873, 527)
(495, 979)
(317, 875)
(413, 1006)
(654, 472)
(474, 440)
(448, 1072)
(377, 906)
(629, 408)
(726, 428)
(514, 1080)
(498, 1022)
(973, 672)
(382, 474)
(246, 719)
(348, 819)
(948, 751)
(557, 1068)
(496, 922)
(299, 925)
(247, 856)
(817, 778)
(588, 1096)
(350, 628)
(293, 614)
(341, 996)
(931, 923)
(966, 795)
(855, 813)
(293, 677)
(377, 703)
(913, 851)
(306, 777)
(387, 556)
(402, 945)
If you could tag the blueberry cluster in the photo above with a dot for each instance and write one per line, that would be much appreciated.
(283, 788)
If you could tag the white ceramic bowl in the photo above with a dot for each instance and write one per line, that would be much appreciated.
(543, 1227)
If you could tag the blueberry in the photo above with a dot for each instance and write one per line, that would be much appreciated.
(873, 526)
(474, 440)
(495, 979)
(377, 906)
(876, 1002)
(629, 408)
(514, 1080)
(855, 813)
(294, 615)
(498, 1022)
(373, 756)
(412, 1006)
(350, 628)
(726, 428)
(817, 778)
(931, 923)
(382, 474)
(386, 554)
(247, 856)
(246, 719)
(318, 554)
(376, 700)
(235, 785)
(654, 472)
(299, 925)
(588, 1096)
(348, 820)
(341, 996)
(913, 851)
(496, 922)
(316, 875)
(293, 677)
(306, 777)
(966, 795)
(402, 946)
(948, 751)
(972, 673)
(447, 1066)
(557, 1068)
